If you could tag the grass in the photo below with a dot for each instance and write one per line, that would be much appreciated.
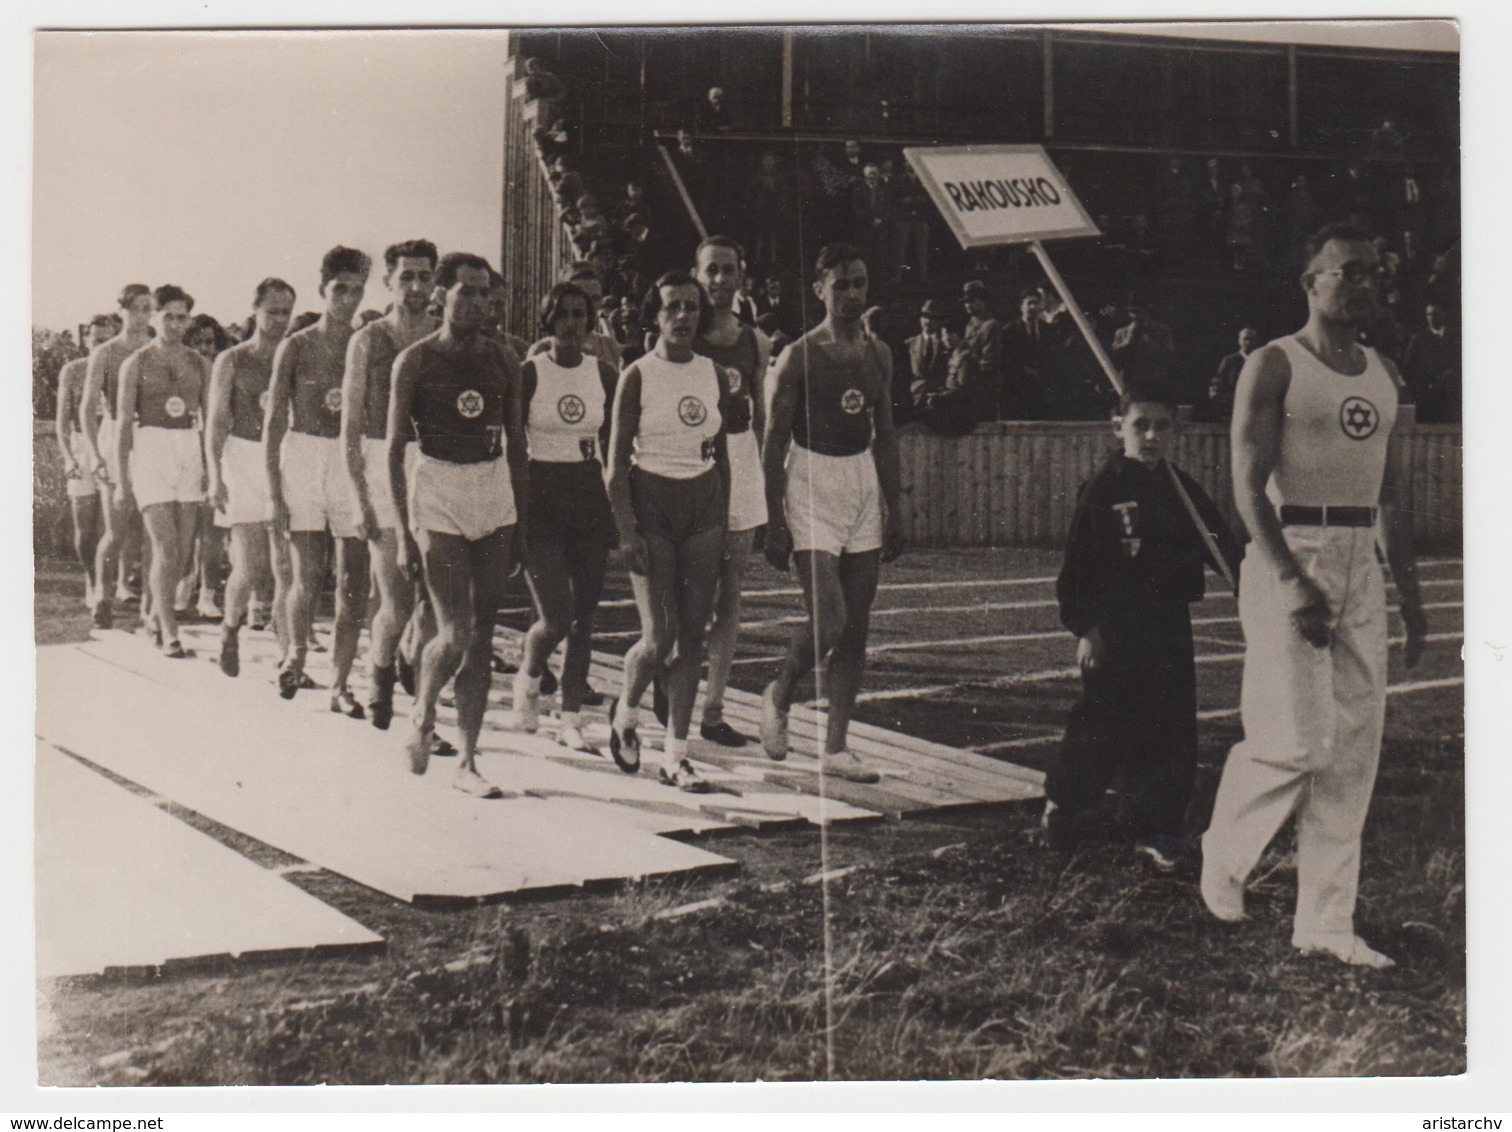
(960, 950)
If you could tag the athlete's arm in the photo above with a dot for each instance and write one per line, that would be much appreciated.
(401, 395)
(609, 379)
(89, 421)
(218, 426)
(353, 425)
(1259, 413)
(758, 387)
(788, 382)
(126, 406)
(63, 425)
(885, 455)
(515, 450)
(1396, 533)
(617, 476)
(276, 424)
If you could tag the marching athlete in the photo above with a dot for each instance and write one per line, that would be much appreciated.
(83, 485)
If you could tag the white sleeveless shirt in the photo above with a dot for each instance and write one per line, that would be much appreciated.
(566, 411)
(679, 417)
(1333, 440)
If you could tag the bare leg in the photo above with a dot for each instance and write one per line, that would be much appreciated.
(847, 660)
(396, 599)
(656, 601)
(585, 562)
(88, 528)
(726, 627)
(698, 564)
(824, 598)
(306, 562)
(491, 560)
(162, 525)
(351, 604)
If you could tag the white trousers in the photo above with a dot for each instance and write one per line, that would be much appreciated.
(1312, 730)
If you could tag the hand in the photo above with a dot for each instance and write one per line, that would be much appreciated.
(1310, 613)
(218, 495)
(1417, 629)
(892, 540)
(1091, 650)
(366, 526)
(521, 548)
(407, 556)
(636, 556)
(120, 496)
(779, 545)
(280, 515)
(71, 470)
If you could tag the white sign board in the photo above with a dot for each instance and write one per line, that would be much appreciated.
(1000, 194)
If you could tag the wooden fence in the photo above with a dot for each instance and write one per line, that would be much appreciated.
(1004, 485)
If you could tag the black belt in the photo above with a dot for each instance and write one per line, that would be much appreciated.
(1327, 516)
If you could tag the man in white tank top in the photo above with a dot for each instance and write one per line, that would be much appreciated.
(1312, 415)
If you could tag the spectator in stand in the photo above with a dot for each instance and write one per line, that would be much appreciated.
(1216, 406)
(769, 202)
(1144, 342)
(1386, 141)
(767, 324)
(1227, 377)
(1213, 200)
(544, 87)
(1177, 212)
(744, 303)
(1024, 344)
(871, 216)
(1302, 217)
(713, 114)
(950, 408)
(928, 356)
(633, 203)
(786, 313)
(910, 232)
(852, 167)
(1431, 368)
(633, 281)
(590, 224)
(1246, 232)
(984, 337)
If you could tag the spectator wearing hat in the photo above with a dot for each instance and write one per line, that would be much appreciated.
(1143, 341)
(984, 337)
(928, 356)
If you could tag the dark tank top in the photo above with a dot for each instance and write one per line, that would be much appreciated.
(852, 397)
(250, 376)
(170, 385)
(112, 356)
(458, 406)
(319, 363)
(71, 390)
(382, 350)
(741, 356)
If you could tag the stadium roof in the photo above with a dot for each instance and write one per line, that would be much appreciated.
(1388, 35)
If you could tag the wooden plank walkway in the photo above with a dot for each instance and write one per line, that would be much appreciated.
(122, 887)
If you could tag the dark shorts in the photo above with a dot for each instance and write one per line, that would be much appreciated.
(676, 510)
(568, 503)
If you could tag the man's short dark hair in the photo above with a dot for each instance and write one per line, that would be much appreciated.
(267, 287)
(410, 249)
(832, 256)
(1349, 233)
(721, 242)
(341, 261)
(1147, 388)
(1031, 293)
(169, 293)
(453, 262)
(131, 292)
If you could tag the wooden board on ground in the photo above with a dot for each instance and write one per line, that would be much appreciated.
(322, 787)
(123, 886)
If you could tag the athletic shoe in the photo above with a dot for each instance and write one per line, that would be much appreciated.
(417, 747)
(441, 749)
(103, 617)
(173, 650)
(1356, 952)
(344, 703)
(570, 735)
(592, 698)
(381, 698)
(624, 745)
(1165, 851)
(1223, 896)
(306, 682)
(527, 704)
(289, 681)
(660, 706)
(683, 777)
(89, 594)
(548, 682)
(723, 734)
(230, 651)
(469, 781)
(774, 725)
(848, 765)
(406, 673)
(207, 609)
(1058, 828)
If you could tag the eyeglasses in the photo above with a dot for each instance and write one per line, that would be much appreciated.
(1357, 273)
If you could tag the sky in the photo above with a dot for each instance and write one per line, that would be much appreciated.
(212, 160)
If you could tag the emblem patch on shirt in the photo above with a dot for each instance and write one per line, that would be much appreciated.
(333, 399)
(1128, 517)
(691, 411)
(1359, 418)
(852, 401)
(571, 408)
(734, 382)
(1130, 547)
(175, 406)
(470, 403)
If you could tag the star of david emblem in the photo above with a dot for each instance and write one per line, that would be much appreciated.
(852, 401)
(1359, 418)
(333, 399)
(571, 408)
(732, 377)
(175, 406)
(692, 412)
(470, 403)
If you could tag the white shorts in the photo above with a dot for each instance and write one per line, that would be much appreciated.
(167, 466)
(245, 474)
(105, 441)
(834, 503)
(315, 485)
(376, 473)
(470, 500)
(748, 507)
(85, 485)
